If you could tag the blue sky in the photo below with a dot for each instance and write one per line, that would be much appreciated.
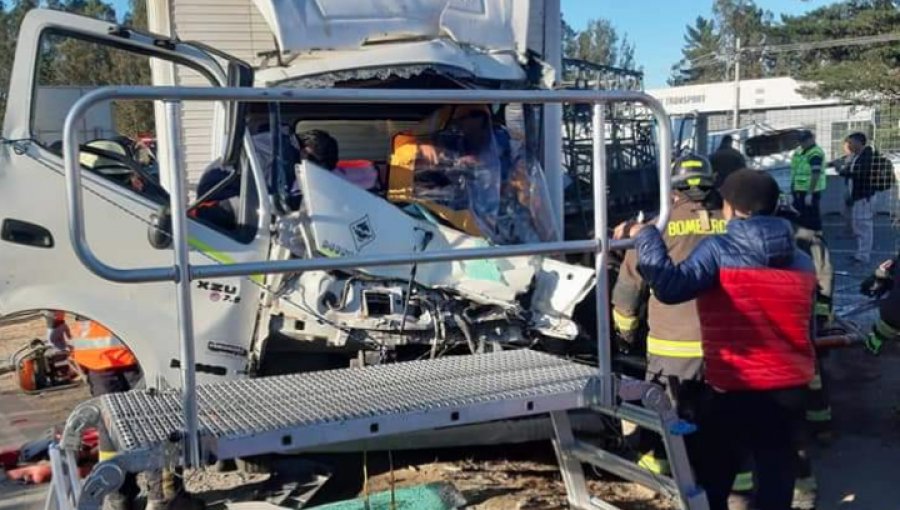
(657, 26)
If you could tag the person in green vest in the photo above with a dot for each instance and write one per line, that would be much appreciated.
(808, 181)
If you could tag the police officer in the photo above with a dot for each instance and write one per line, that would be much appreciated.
(674, 353)
(808, 180)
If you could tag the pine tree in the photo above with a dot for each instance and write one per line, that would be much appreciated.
(700, 62)
(599, 43)
(861, 72)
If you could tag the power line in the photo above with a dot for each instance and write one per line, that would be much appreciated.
(832, 43)
(714, 59)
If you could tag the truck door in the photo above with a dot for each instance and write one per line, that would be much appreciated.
(59, 58)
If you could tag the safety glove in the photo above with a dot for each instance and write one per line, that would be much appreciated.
(874, 343)
(876, 285)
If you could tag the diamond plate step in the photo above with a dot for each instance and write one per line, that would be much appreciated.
(287, 413)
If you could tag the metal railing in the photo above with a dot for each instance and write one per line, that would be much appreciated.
(182, 272)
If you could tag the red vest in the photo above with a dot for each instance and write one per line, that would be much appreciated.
(756, 329)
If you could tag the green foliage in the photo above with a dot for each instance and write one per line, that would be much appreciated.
(599, 43)
(699, 62)
(65, 61)
(861, 73)
(710, 43)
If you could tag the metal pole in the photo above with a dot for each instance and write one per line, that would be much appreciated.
(553, 116)
(601, 220)
(737, 85)
(347, 96)
(178, 201)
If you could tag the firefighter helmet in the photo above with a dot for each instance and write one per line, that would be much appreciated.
(692, 171)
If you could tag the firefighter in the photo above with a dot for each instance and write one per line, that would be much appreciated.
(744, 281)
(818, 411)
(109, 365)
(674, 354)
(883, 285)
(808, 180)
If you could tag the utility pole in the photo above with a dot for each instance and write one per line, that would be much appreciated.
(736, 119)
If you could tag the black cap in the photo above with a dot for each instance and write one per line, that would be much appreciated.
(806, 136)
(751, 191)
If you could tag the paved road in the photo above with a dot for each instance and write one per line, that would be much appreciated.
(859, 471)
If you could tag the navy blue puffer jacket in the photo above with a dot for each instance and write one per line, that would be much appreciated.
(755, 292)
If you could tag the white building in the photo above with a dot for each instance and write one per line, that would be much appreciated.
(775, 103)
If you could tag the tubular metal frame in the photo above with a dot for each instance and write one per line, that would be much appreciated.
(182, 272)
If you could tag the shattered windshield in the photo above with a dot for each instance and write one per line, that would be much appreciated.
(475, 174)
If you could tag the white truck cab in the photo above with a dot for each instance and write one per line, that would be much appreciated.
(454, 200)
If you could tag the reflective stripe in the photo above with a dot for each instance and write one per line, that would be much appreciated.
(656, 466)
(819, 416)
(743, 482)
(674, 348)
(105, 455)
(96, 348)
(816, 383)
(694, 226)
(874, 343)
(806, 484)
(218, 256)
(823, 309)
(96, 343)
(624, 322)
(885, 330)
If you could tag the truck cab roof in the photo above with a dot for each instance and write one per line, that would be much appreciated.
(343, 40)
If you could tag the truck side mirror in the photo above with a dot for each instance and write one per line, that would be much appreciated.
(159, 232)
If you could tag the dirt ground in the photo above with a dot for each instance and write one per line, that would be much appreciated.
(856, 472)
(520, 476)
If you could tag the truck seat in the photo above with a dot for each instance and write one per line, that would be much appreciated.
(360, 172)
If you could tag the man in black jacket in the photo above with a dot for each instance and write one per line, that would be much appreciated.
(726, 160)
(862, 192)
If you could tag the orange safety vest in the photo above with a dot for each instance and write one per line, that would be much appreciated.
(410, 148)
(96, 348)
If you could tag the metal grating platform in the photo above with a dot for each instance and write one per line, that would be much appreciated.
(284, 413)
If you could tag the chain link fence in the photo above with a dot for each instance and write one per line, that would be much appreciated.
(769, 139)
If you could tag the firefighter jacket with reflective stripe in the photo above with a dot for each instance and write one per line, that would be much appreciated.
(813, 244)
(96, 348)
(755, 291)
(673, 341)
(888, 324)
(802, 164)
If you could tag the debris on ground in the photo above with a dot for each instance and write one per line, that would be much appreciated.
(431, 496)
